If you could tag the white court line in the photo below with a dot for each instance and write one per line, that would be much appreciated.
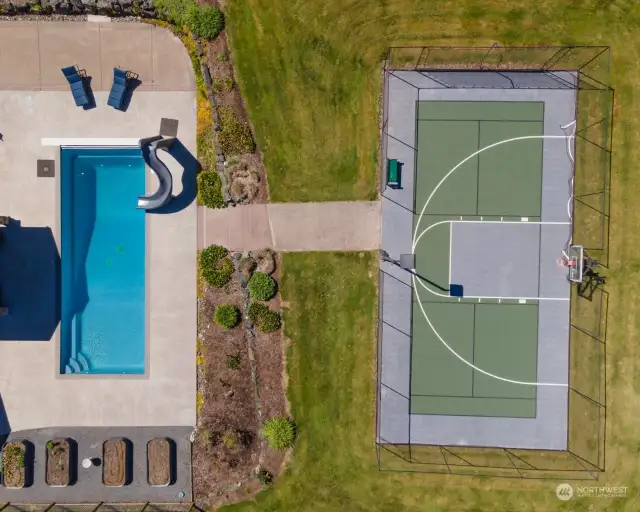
(488, 374)
(462, 162)
(450, 249)
(416, 239)
(540, 222)
(451, 222)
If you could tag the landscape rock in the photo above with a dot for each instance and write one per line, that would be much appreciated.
(53, 8)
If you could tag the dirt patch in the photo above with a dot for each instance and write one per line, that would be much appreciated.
(159, 461)
(114, 473)
(228, 447)
(58, 462)
(221, 68)
(13, 462)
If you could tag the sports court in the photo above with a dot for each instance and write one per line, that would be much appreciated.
(475, 329)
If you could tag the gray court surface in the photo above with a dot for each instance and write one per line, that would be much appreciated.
(503, 260)
(497, 259)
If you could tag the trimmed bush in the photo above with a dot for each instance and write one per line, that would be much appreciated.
(210, 190)
(227, 316)
(262, 286)
(279, 433)
(263, 318)
(235, 136)
(216, 268)
(204, 21)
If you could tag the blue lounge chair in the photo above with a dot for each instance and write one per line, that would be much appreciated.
(118, 89)
(75, 77)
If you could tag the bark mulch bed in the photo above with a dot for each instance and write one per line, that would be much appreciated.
(223, 68)
(115, 461)
(269, 352)
(227, 449)
(58, 462)
(159, 461)
(14, 461)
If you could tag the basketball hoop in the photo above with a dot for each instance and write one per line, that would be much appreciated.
(573, 261)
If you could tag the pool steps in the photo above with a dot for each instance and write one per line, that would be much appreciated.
(79, 365)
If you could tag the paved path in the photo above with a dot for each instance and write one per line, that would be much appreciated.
(330, 226)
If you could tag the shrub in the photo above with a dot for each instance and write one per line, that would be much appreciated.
(216, 268)
(230, 439)
(262, 286)
(227, 316)
(174, 10)
(205, 437)
(234, 362)
(235, 136)
(222, 84)
(221, 57)
(279, 433)
(210, 190)
(204, 21)
(263, 318)
(264, 476)
(13, 455)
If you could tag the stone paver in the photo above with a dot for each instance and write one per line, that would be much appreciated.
(32, 54)
(330, 226)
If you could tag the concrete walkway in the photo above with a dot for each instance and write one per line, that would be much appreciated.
(330, 226)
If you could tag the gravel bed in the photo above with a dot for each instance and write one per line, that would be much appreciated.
(44, 17)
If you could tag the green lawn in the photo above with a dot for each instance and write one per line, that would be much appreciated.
(310, 72)
(331, 364)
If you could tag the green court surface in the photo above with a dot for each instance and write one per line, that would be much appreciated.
(499, 184)
(503, 180)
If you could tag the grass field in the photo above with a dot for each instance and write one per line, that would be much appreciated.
(310, 72)
(332, 393)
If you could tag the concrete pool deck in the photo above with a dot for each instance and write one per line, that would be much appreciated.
(35, 104)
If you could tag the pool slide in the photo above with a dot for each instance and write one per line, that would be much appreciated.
(162, 195)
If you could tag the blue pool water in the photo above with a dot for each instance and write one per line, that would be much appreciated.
(102, 261)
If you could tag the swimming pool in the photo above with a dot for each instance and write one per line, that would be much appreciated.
(103, 318)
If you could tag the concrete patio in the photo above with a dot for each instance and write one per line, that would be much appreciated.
(35, 103)
(33, 52)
